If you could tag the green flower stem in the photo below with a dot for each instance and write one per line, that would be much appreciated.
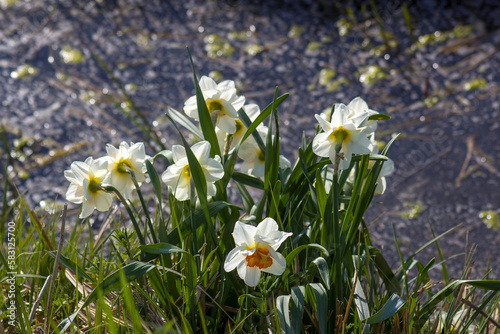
(336, 230)
(130, 213)
(193, 227)
(227, 144)
(141, 198)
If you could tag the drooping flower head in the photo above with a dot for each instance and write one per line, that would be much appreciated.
(120, 160)
(178, 176)
(344, 134)
(86, 179)
(222, 103)
(255, 251)
(254, 160)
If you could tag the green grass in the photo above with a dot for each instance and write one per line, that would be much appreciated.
(158, 265)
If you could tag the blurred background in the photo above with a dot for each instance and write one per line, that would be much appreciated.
(76, 75)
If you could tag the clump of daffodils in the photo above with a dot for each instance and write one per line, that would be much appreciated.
(178, 175)
(90, 178)
(256, 251)
(349, 132)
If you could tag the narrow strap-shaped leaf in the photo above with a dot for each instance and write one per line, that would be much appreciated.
(318, 298)
(291, 256)
(321, 194)
(282, 304)
(390, 308)
(155, 180)
(248, 180)
(379, 117)
(297, 308)
(248, 123)
(323, 270)
(73, 267)
(185, 122)
(247, 199)
(199, 214)
(388, 277)
(161, 248)
(262, 116)
(361, 302)
(207, 128)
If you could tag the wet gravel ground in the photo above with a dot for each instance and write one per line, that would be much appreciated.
(440, 88)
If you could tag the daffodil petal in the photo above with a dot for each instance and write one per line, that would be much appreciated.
(226, 123)
(266, 226)
(226, 85)
(279, 263)
(234, 258)
(252, 110)
(102, 201)
(178, 152)
(237, 102)
(244, 234)
(252, 276)
(201, 150)
(242, 269)
(182, 193)
(74, 193)
(358, 105)
(87, 209)
(321, 144)
(207, 83)
(325, 125)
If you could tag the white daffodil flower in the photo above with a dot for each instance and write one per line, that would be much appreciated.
(86, 178)
(456, 323)
(254, 160)
(178, 175)
(120, 160)
(222, 102)
(252, 111)
(356, 107)
(387, 169)
(343, 135)
(255, 251)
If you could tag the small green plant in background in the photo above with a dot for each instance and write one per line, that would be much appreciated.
(233, 238)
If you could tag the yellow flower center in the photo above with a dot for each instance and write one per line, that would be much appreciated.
(94, 185)
(261, 258)
(239, 127)
(340, 136)
(261, 157)
(123, 165)
(186, 173)
(216, 105)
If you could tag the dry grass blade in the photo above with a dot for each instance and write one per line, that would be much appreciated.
(39, 299)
